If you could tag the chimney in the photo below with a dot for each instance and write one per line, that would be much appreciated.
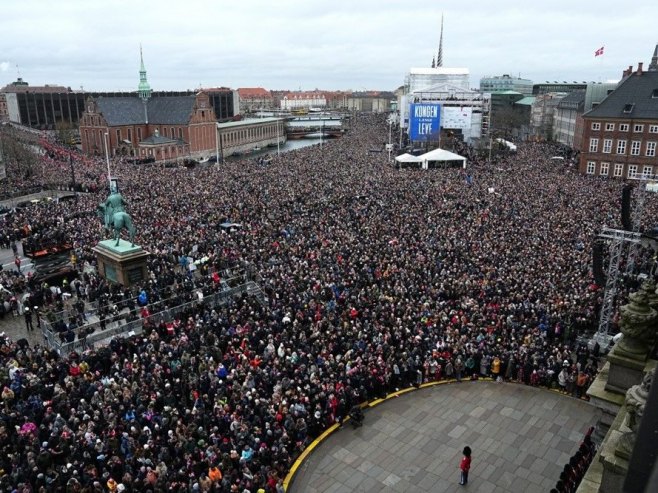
(627, 72)
(639, 69)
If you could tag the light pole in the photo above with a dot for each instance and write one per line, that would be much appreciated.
(217, 143)
(390, 123)
(107, 156)
(278, 147)
(75, 191)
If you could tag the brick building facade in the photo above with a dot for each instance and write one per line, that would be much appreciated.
(254, 99)
(299, 100)
(149, 127)
(4, 112)
(162, 128)
(620, 135)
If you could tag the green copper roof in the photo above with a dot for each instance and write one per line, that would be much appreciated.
(144, 88)
(528, 100)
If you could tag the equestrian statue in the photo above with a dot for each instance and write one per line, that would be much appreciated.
(115, 217)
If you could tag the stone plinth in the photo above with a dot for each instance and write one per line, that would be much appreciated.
(626, 370)
(609, 402)
(123, 264)
(614, 467)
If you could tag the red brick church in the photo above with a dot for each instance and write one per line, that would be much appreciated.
(142, 126)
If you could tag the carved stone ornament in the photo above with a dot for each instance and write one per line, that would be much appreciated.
(638, 321)
(636, 399)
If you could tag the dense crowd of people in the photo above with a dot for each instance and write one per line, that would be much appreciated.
(375, 279)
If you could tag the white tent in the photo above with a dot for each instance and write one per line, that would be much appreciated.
(443, 157)
(408, 158)
(507, 144)
(408, 161)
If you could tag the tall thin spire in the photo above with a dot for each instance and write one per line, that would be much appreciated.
(144, 88)
(439, 57)
(653, 66)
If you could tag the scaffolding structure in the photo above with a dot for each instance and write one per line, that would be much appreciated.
(617, 239)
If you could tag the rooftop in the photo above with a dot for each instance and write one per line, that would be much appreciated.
(527, 101)
(174, 110)
(254, 92)
(635, 97)
(21, 87)
(247, 122)
(439, 71)
(574, 98)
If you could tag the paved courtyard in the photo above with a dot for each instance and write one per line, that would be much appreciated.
(521, 438)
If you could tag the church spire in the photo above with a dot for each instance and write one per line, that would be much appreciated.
(653, 66)
(439, 57)
(144, 88)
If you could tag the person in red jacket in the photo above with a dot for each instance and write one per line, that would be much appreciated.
(465, 465)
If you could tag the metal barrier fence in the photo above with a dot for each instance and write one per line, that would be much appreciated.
(230, 277)
(121, 326)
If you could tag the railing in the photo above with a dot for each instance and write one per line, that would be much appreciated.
(231, 277)
(120, 326)
(21, 193)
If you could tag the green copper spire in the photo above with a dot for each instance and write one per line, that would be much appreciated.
(144, 88)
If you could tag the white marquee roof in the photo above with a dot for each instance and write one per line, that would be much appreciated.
(441, 155)
(408, 158)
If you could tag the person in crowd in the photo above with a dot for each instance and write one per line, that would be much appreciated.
(373, 279)
(465, 466)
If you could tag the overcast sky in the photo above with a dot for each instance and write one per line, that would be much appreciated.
(308, 44)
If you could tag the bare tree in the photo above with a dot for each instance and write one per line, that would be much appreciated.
(20, 159)
(65, 132)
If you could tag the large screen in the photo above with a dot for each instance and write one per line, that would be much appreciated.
(424, 122)
(457, 117)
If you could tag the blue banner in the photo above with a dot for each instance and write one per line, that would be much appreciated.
(424, 122)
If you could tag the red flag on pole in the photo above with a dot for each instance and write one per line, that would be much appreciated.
(599, 52)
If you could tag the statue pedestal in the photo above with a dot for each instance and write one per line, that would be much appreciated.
(607, 401)
(626, 370)
(123, 264)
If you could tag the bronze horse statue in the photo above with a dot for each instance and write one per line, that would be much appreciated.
(116, 221)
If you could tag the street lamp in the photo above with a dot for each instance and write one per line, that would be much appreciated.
(390, 123)
(75, 191)
(107, 156)
(278, 139)
(217, 143)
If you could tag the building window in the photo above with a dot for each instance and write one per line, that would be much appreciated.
(605, 168)
(180, 133)
(651, 149)
(139, 134)
(647, 171)
(635, 148)
(596, 126)
(591, 167)
(621, 147)
(623, 127)
(607, 146)
(130, 135)
(619, 169)
(632, 171)
(609, 127)
(118, 136)
(653, 129)
(593, 145)
(638, 128)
